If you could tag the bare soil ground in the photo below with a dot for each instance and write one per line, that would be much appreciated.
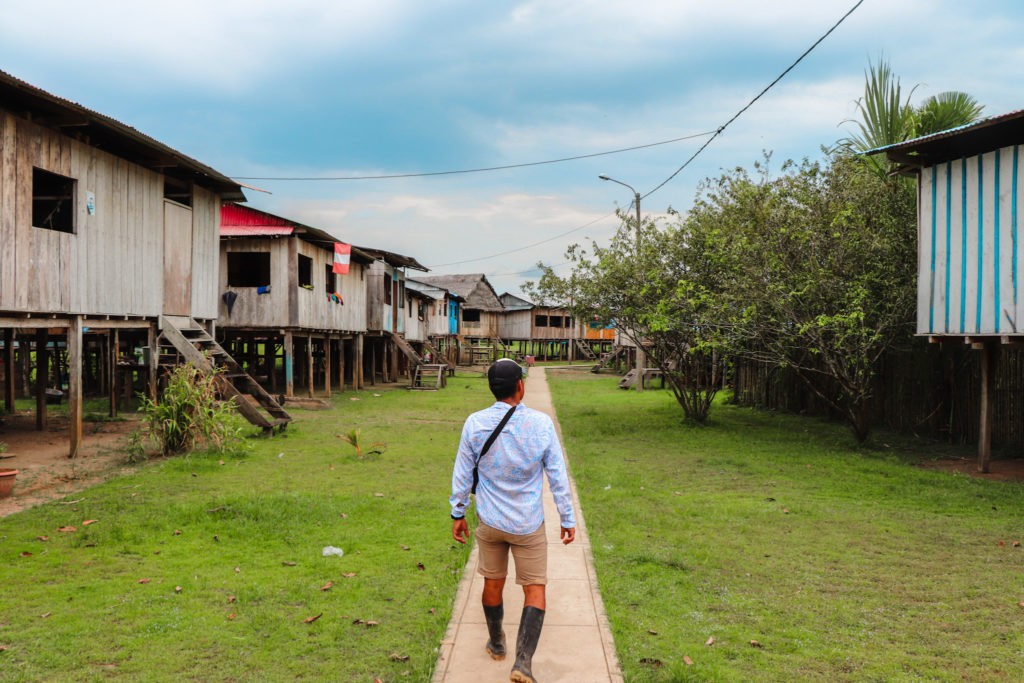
(45, 472)
(1009, 469)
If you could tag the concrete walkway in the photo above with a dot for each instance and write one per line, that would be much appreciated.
(576, 644)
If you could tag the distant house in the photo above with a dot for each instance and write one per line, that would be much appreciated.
(481, 312)
(550, 331)
(107, 234)
(442, 316)
(284, 312)
(970, 247)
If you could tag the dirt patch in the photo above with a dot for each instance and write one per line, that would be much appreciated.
(1010, 469)
(45, 472)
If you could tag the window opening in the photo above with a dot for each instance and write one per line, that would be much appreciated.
(53, 201)
(179, 191)
(470, 315)
(387, 289)
(248, 268)
(305, 272)
(330, 285)
(541, 321)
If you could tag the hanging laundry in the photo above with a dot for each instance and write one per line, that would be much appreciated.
(265, 289)
(338, 299)
(229, 300)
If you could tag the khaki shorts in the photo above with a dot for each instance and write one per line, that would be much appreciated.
(530, 552)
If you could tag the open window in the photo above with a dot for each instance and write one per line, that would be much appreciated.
(305, 272)
(387, 289)
(53, 201)
(540, 321)
(178, 191)
(248, 268)
(470, 315)
(330, 283)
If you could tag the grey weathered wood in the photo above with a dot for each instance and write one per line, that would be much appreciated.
(985, 417)
(42, 373)
(10, 371)
(75, 384)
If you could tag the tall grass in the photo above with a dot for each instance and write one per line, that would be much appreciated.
(765, 547)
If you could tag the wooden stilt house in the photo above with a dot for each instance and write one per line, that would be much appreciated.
(481, 311)
(285, 314)
(970, 249)
(109, 241)
(442, 316)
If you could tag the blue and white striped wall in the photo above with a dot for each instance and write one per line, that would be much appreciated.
(970, 247)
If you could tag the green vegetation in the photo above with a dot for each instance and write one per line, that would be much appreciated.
(842, 563)
(242, 537)
(188, 414)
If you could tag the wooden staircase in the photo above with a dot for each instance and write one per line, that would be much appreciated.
(184, 340)
(588, 353)
(608, 358)
(410, 353)
(628, 380)
(436, 356)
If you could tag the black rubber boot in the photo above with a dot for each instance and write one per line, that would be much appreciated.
(496, 643)
(526, 644)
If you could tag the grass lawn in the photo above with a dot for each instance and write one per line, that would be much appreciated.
(766, 547)
(209, 568)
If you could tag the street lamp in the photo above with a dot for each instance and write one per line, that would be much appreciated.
(641, 359)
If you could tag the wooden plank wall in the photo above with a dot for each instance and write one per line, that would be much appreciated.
(252, 310)
(205, 254)
(515, 324)
(113, 264)
(970, 252)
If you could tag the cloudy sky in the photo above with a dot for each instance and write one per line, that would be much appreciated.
(317, 90)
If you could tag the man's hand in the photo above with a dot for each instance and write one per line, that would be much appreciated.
(568, 535)
(460, 530)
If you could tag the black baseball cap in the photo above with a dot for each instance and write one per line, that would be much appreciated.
(502, 377)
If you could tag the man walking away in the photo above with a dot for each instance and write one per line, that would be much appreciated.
(512, 447)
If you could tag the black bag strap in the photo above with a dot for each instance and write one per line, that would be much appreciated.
(494, 434)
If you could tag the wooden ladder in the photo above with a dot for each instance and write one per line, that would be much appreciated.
(189, 342)
(429, 377)
(585, 349)
(436, 357)
(628, 380)
(406, 348)
(607, 358)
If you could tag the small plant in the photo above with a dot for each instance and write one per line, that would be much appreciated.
(189, 413)
(352, 438)
(3, 447)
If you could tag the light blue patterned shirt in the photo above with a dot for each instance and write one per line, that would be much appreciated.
(508, 495)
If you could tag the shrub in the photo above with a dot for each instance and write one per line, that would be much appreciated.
(190, 414)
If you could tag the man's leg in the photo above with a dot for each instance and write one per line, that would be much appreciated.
(494, 613)
(529, 633)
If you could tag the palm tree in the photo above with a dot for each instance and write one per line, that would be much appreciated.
(887, 118)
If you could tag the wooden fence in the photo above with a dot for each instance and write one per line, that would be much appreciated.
(930, 390)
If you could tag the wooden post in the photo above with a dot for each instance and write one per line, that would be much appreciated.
(289, 367)
(154, 359)
(115, 343)
(342, 343)
(310, 366)
(270, 361)
(75, 383)
(9, 370)
(357, 362)
(327, 366)
(25, 366)
(42, 374)
(985, 426)
(393, 357)
(373, 363)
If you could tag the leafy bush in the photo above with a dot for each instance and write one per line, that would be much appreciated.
(190, 414)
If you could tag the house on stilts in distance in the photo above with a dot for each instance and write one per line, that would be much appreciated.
(110, 243)
(480, 310)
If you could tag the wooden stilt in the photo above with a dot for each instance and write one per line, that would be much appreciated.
(115, 394)
(342, 345)
(310, 367)
(270, 360)
(42, 374)
(327, 367)
(154, 360)
(289, 379)
(357, 362)
(75, 383)
(10, 372)
(985, 426)
(25, 367)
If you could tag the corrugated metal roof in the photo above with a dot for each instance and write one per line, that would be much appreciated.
(245, 221)
(394, 259)
(967, 140)
(110, 135)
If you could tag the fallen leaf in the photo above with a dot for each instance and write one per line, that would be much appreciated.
(178, 589)
(237, 570)
(395, 657)
(145, 580)
(377, 395)
(344, 516)
(419, 565)
(310, 620)
(177, 532)
(710, 641)
(231, 599)
(194, 474)
(687, 661)
(404, 547)
(651, 661)
(349, 575)
(652, 631)
(353, 399)
(1020, 604)
(26, 554)
(216, 538)
(327, 586)
(286, 563)
(68, 529)
(785, 511)
(755, 643)
(44, 539)
(89, 521)
(1016, 544)
(433, 610)
(221, 462)
(378, 495)
(1002, 544)
(44, 616)
(3, 648)
(231, 616)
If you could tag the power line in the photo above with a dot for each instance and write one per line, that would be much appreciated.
(749, 104)
(478, 170)
(528, 246)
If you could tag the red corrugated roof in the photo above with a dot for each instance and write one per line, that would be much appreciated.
(241, 221)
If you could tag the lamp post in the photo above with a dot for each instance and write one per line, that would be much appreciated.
(641, 359)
